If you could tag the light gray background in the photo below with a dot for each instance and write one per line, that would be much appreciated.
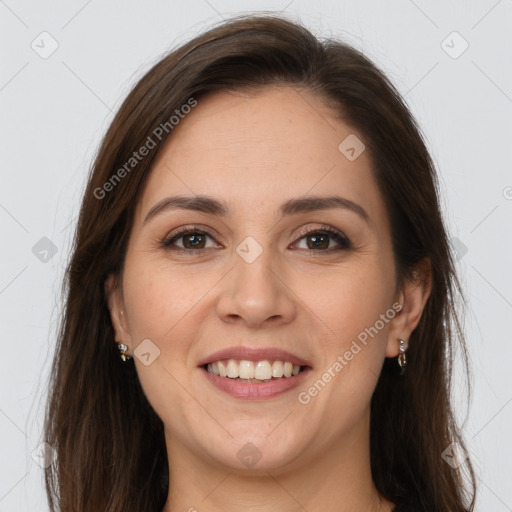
(55, 109)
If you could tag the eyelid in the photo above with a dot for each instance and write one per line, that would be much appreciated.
(313, 229)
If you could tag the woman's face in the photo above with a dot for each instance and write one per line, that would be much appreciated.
(255, 278)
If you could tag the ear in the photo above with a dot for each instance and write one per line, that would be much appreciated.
(413, 297)
(114, 294)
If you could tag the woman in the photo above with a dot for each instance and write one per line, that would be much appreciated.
(260, 300)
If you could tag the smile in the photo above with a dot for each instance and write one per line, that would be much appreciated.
(251, 371)
(254, 388)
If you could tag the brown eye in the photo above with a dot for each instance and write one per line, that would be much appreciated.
(319, 239)
(192, 240)
(196, 240)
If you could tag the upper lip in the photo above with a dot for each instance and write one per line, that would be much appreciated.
(254, 354)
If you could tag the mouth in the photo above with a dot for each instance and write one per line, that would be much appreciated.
(254, 371)
(254, 374)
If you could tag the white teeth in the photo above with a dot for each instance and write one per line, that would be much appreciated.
(277, 369)
(232, 369)
(246, 370)
(261, 370)
(222, 369)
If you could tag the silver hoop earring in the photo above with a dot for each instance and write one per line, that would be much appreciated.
(402, 359)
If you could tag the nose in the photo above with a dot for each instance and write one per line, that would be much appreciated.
(256, 293)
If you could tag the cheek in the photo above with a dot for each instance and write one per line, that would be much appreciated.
(159, 305)
(349, 301)
(156, 300)
(353, 307)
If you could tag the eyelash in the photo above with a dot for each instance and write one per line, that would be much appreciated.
(339, 237)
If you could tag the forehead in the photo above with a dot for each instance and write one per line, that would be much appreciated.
(257, 150)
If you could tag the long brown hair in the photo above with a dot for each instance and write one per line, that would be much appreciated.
(110, 446)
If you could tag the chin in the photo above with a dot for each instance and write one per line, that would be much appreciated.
(255, 452)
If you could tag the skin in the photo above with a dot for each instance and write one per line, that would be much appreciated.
(255, 152)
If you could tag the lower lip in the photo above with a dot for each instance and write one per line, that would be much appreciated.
(255, 391)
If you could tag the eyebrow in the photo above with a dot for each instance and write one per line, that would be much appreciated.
(207, 204)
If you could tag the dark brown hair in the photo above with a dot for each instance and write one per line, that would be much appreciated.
(111, 453)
